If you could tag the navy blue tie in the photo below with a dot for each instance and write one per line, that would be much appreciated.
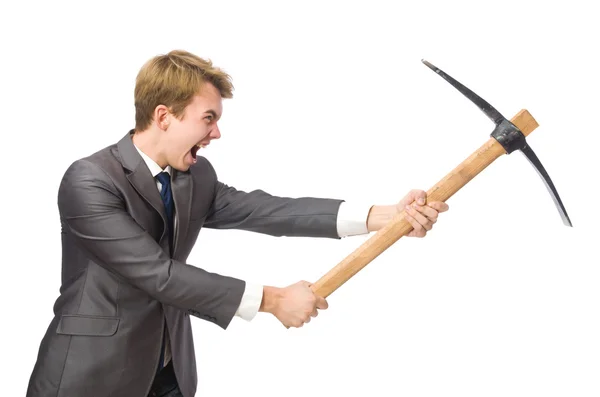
(167, 198)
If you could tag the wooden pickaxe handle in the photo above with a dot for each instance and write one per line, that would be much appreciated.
(399, 226)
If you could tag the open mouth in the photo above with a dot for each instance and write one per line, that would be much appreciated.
(194, 151)
(195, 148)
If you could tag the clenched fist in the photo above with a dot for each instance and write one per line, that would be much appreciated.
(294, 305)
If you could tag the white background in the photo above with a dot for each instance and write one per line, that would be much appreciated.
(332, 100)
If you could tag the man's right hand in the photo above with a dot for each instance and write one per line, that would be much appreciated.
(294, 305)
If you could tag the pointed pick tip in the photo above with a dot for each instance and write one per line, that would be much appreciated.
(565, 218)
(429, 64)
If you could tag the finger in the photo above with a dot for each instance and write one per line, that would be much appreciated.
(439, 206)
(420, 218)
(418, 229)
(427, 211)
(321, 303)
(314, 313)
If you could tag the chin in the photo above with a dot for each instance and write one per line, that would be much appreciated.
(182, 168)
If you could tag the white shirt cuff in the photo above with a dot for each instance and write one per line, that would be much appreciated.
(352, 219)
(251, 301)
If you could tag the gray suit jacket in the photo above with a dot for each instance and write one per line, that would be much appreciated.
(119, 280)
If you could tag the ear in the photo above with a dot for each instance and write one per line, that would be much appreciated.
(162, 117)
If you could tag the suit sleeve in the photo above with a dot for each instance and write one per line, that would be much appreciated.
(261, 212)
(96, 218)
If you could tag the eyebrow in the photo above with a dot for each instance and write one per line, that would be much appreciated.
(212, 112)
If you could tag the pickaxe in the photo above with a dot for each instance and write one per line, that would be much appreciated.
(506, 137)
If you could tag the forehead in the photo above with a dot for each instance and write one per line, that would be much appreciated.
(209, 98)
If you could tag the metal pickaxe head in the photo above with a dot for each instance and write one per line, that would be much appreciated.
(509, 136)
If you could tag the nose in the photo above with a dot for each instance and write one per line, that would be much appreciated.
(215, 133)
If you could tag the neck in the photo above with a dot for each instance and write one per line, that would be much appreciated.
(148, 141)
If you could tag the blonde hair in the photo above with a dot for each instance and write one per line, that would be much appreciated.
(172, 80)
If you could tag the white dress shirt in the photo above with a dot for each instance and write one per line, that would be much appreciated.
(351, 221)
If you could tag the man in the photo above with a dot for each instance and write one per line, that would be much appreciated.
(130, 215)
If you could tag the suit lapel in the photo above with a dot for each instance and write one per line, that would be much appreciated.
(182, 188)
(140, 177)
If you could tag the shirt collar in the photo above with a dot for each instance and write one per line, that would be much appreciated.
(152, 166)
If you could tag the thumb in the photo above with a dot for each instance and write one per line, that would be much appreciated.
(306, 283)
(415, 195)
(420, 196)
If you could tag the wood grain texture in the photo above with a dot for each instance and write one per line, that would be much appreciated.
(398, 227)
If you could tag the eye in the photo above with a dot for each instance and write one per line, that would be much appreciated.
(209, 118)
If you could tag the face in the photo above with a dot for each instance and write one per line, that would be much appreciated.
(181, 139)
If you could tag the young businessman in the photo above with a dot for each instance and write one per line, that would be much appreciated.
(130, 215)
